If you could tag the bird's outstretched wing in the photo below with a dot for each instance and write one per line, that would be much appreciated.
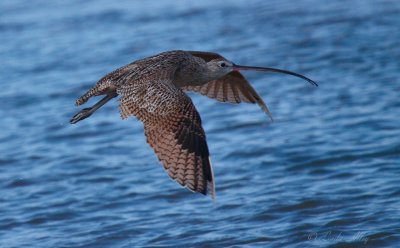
(173, 129)
(232, 88)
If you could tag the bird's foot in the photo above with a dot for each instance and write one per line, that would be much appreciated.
(83, 114)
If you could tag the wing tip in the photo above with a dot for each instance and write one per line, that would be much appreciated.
(265, 109)
(211, 191)
(270, 117)
(211, 183)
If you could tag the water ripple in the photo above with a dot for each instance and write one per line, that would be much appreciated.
(325, 173)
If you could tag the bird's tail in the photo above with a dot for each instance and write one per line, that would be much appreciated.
(84, 98)
(86, 112)
(103, 87)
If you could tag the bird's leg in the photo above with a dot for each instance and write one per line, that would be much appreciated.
(86, 112)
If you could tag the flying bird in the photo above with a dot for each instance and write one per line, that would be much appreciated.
(153, 90)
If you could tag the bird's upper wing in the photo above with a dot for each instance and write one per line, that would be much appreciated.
(173, 129)
(232, 88)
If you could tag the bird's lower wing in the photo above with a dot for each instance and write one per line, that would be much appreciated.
(232, 88)
(183, 152)
(173, 129)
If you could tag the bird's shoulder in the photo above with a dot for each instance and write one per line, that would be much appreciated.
(159, 66)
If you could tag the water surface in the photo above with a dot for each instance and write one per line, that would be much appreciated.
(324, 174)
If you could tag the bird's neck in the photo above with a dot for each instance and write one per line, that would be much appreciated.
(193, 74)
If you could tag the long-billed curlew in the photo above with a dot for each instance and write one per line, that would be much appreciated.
(152, 89)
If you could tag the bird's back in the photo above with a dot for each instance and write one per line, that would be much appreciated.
(141, 72)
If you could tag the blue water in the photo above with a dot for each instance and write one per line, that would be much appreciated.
(326, 173)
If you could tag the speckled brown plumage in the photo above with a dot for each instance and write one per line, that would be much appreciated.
(152, 90)
(173, 129)
(171, 122)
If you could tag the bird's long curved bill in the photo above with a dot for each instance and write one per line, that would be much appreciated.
(255, 68)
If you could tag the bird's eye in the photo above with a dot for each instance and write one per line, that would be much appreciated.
(222, 64)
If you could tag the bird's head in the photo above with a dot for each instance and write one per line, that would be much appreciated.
(218, 68)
